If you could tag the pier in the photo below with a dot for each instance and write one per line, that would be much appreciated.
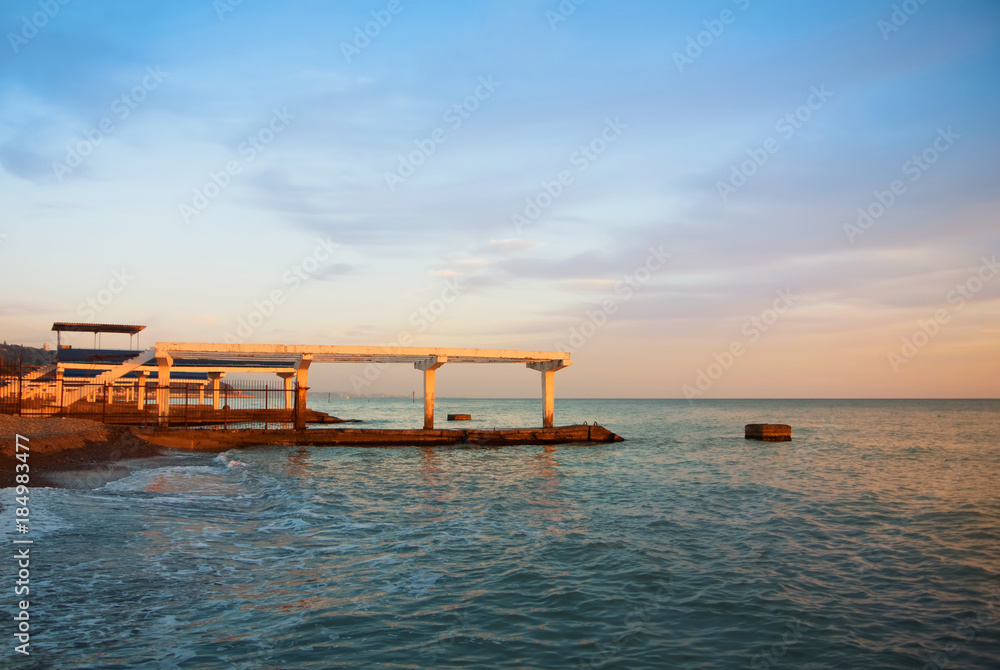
(218, 440)
(179, 391)
(293, 362)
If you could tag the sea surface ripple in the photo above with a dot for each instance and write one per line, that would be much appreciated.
(870, 541)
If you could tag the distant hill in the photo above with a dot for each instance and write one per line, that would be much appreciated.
(10, 353)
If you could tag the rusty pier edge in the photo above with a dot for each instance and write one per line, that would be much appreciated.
(220, 440)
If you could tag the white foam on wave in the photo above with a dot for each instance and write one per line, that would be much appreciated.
(180, 483)
(285, 524)
(45, 508)
(336, 549)
(229, 461)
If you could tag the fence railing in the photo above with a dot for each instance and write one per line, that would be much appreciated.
(232, 404)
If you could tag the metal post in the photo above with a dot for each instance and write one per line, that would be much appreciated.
(104, 405)
(267, 392)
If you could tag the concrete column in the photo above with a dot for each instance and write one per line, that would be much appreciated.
(287, 378)
(141, 375)
(548, 398)
(59, 384)
(214, 378)
(163, 363)
(201, 393)
(301, 388)
(548, 370)
(430, 366)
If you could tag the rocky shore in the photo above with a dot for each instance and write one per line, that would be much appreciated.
(61, 445)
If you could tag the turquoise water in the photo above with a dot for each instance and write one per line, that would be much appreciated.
(870, 541)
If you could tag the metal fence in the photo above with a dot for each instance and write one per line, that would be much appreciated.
(11, 375)
(232, 404)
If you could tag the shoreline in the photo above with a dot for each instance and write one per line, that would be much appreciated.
(61, 446)
(66, 445)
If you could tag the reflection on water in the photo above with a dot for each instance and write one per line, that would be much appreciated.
(870, 541)
(298, 460)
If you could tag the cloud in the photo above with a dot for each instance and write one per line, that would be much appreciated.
(21, 161)
(508, 246)
(334, 270)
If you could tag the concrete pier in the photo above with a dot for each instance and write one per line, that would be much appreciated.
(768, 432)
(216, 440)
(292, 362)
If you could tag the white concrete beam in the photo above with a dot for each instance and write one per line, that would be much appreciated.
(329, 353)
(183, 368)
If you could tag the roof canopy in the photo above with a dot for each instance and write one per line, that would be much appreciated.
(96, 328)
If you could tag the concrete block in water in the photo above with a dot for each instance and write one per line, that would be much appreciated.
(460, 417)
(769, 432)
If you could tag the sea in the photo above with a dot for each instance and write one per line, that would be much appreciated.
(871, 540)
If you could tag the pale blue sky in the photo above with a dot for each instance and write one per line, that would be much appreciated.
(677, 129)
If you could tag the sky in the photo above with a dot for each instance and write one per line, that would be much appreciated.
(718, 199)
